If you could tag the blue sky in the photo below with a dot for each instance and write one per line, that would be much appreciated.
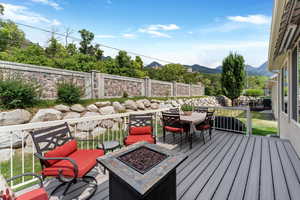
(181, 31)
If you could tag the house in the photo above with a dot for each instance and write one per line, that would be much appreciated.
(284, 60)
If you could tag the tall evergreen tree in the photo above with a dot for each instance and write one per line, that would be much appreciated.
(1, 9)
(87, 38)
(233, 76)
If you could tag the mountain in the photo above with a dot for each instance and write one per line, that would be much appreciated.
(205, 70)
(252, 71)
(154, 64)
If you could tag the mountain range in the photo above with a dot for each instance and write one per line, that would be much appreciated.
(262, 70)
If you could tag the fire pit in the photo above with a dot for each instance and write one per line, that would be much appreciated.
(142, 159)
(142, 171)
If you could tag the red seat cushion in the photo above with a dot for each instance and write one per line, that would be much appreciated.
(173, 129)
(85, 160)
(142, 130)
(203, 127)
(131, 139)
(61, 151)
(37, 194)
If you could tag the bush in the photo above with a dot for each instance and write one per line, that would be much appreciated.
(125, 94)
(254, 92)
(187, 107)
(68, 93)
(18, 94)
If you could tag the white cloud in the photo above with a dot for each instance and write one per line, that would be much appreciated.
(252, 19)
(128, 36)
(23, 14)
(155, 33)
(49, 3)
(105, 36)
(157, 30)
(169, 27)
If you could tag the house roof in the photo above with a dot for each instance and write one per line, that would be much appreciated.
(284, 31)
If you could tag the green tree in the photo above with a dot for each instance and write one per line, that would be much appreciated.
(87, 38)
(1, 9)
(139, 61)
(233, 76)
(10, 35)
(172, 72)
(55, 49)
(71, 49)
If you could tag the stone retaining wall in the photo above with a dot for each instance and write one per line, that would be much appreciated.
(161, 88)
(95, 84)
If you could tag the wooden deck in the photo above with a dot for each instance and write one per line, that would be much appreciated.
(232, 166)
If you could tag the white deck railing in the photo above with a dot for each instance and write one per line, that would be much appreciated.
(97, 129)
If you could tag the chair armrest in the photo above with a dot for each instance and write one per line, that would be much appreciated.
(61, 177)
(28, 174)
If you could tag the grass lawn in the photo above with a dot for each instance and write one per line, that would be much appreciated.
(262, 123)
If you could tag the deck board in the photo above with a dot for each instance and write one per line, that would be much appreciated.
(231, 166)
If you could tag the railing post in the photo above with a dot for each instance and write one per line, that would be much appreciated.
(155, 120)
(249, 122)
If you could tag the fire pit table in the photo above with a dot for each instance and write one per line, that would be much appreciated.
(142, 171)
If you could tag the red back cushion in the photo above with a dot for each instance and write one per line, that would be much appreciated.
(61, 151)
(142, 130)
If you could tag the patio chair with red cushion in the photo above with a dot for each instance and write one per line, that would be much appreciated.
(171, 123)
(61, 158)
(36, 194)
(140, 128)
(207, 125)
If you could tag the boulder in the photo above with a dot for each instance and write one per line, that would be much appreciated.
(62, 108)
(47, 115)
(131, 105)
(71, 115)
(77, 108)
(102, 104)
(180, 101)
(155, 101)
(108, 110)
(92, 108)
(16, 137)
(147, 103)
(140, 104)
(18, 116)
(107, 123)
(154, 106)
(174, 103)
(88, 125)
(117, 106)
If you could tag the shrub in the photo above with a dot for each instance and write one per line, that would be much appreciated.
(68, 93)
(254, 92)
(125, 94)
(187, 107)
(18, 94)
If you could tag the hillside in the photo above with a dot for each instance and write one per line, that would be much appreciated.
(252, 71)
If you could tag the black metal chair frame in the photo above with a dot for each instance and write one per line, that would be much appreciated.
(140, 120)
(55, 136)
(173, 120)
(209, 120)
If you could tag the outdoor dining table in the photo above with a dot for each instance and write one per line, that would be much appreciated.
(193, 119)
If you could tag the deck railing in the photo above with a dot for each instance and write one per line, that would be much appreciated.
(96, 129)
(232, 119)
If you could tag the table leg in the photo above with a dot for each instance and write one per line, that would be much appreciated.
(191, 135)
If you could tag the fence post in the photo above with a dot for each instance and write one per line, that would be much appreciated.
(249, 122)
(147, 85)
(174, 89)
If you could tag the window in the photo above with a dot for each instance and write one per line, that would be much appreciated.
(294, 85)
(284, 89)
